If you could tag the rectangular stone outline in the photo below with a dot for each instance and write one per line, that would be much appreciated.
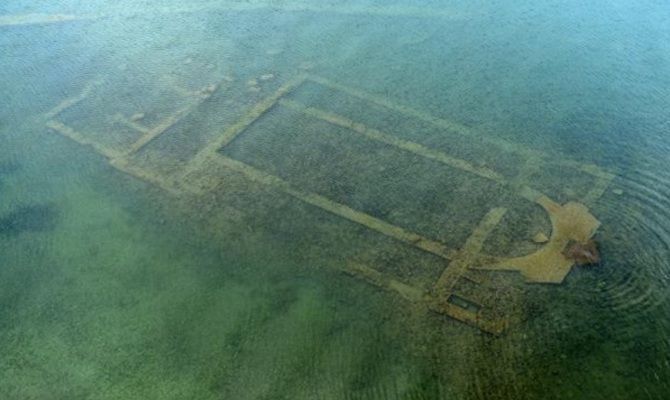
(119, 159)
(443, 288)
(534, 157)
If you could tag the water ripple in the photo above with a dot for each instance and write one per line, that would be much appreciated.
(639, 250)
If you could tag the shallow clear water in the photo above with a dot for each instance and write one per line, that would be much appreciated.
(222, 199)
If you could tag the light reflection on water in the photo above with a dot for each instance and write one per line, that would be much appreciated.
(111, 287)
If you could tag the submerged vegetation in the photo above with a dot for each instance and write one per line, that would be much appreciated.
(28, 218)
(264, 200)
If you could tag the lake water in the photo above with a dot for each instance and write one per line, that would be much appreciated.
(332, 200)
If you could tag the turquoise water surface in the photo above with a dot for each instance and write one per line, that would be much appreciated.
(279, 199)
